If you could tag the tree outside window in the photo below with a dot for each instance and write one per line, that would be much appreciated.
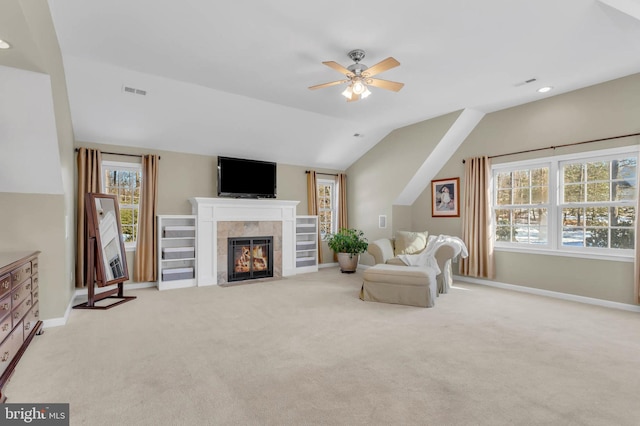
(124, 180)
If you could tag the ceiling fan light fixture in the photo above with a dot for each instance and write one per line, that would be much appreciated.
(358, 76)
(348, 92)
(358, 87)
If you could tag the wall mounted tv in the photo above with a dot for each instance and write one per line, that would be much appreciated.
(240, 178)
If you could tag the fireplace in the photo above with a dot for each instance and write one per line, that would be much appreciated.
(249, 258)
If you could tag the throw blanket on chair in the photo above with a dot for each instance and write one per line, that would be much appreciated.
(427, 256)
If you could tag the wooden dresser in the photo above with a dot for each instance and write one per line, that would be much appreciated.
(19, 309)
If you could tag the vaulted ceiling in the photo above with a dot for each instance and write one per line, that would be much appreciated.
(231, 78)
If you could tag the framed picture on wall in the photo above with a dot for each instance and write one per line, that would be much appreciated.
(445, 197)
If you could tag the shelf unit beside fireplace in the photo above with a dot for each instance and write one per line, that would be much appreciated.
(176, 251)
(306, 244)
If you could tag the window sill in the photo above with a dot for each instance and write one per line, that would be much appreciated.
(129, 248)
(564, 253)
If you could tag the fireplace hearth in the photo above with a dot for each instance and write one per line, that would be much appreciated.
(249, 258)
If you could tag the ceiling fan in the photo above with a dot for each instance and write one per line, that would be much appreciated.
(359, 76)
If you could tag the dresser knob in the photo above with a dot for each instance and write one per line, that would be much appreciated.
(35, 295)
(35, 280)
(5, 307)
(27, 326)
(5, 326)
(5, 356)
(16, 296)
(5, 284)
(28, 270)
(16, 315)
(28, 302)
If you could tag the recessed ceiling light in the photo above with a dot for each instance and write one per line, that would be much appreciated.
(4, 44)
(545, 89)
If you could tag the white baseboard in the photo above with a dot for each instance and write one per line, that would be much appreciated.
(57, 322)
(548, 293)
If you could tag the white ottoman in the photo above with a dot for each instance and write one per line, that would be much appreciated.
(404, 285)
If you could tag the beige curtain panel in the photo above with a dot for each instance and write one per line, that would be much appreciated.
(145, 264)
(89, 163)
(342, 203)
(476, 219)
(312, 204)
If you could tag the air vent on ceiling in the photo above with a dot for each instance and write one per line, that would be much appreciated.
(522, 83)
(134, 91)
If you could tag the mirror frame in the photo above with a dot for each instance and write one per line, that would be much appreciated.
(93, 229)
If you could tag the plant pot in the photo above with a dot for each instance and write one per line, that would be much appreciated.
(348, 262)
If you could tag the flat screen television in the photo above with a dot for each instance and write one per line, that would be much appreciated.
(240, 178)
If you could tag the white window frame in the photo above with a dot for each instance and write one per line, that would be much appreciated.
(554, 219)
(125, 166)
(334, 203)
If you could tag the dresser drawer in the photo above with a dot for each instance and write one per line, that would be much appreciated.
(20, 311)
(10, 347)
(31, 319)
(21, 293)
(20, 274)
(5, 284)
(5, 305)
(5, 327)
(34, 294)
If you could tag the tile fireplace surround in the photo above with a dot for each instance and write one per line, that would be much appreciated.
(216, 217)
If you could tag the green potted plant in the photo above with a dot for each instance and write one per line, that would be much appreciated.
(348, 243)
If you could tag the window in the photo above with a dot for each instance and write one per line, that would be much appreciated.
(598, 202)
(582, 203)
(327, 208)
(123, 180)
(522, 205)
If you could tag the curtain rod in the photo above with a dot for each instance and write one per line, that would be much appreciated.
(119, 153)
(318, 173)
(561, 146)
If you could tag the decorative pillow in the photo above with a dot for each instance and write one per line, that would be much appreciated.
(410, 242)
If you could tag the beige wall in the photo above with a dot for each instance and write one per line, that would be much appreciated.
(182, 176)
(376, 179)
(600, 111)
(32, 222)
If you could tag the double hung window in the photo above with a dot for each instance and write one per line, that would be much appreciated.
(124, 180)
(574, 204)
(327, 207)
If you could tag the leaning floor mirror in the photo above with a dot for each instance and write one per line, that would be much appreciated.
(105, 261)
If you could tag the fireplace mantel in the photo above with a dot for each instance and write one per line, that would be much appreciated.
(210, 211)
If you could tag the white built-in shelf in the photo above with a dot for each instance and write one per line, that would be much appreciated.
(306, 244)
(177, 257)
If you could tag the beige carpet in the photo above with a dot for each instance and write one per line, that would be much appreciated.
(306, 350)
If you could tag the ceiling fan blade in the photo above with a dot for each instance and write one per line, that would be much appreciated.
(387, 64)
(385, 84)
(336, 66)
(354, 97)
(333, 83)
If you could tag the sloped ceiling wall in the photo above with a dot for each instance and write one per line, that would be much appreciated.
(30, 160)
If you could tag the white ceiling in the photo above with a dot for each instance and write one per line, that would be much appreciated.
(231, 78)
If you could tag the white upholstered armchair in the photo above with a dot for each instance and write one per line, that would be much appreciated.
(418, 248)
